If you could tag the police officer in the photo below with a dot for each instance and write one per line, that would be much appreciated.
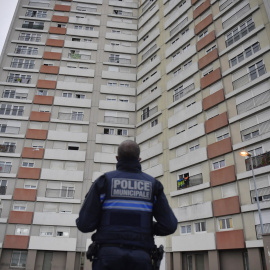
(120, 206)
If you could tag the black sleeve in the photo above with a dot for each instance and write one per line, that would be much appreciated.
(166, 221)
(90, 213)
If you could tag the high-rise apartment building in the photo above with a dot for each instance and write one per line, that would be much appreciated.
(189, 80)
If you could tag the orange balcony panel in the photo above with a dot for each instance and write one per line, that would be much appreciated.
(16, 241)
(63, 19)
(230, 239)
(222, 176)
(44, 100)
(227, 206)
(21, 194)
(213, 99)
(49, 69)
(57, 30)
(211, 78)
(207, 59)
(46, 84)
(62, 8)
(29, 173)
(219, 148)
(202, 8)
(194, 1)
(20, 217)
(40, 116)
(52, 56)
(29, 152)
(216, 122)
(36, 134)
(203, 24)
(55, 42)
(206, 40)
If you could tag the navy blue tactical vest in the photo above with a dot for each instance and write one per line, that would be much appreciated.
(127, 210)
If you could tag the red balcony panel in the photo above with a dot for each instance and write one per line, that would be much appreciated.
(57, 30)
(52, 56)
(230, 239)
(55, 43)
(207, 59)
(216, 122)
(49, 69)
(44, 100)
(194, 1)
(29, 173)
(206, 40)
(16, 241)
(21, 194)
(223, 176)
(40, 116)
(213, 99)
(227, 206)
(62, 19)
(29, 152)
(36, 134)
(202, 8)
(46, 84)
(20, 217)
(219, 148)
(62, 8)
(211, 78)
(203, 24)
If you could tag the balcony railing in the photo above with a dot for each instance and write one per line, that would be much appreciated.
(33, 26)
(71, 116)
(5, 168)
(255, 131)
(12, 79)
(252, 75)
(119, 60)
(26, 51)
(178, 27)
(116, 120)
(145, 55)
(38, 4)
(29, 38)
(3, 190)
(189, 181)
(238, 35)
(183, 92)
(22, 65)
(86, 9)
(67, 193)
(79, 56)
(34, 14)
(253, 102)
(225, 4)
(5, 148)
(258, 161)
(149, 113)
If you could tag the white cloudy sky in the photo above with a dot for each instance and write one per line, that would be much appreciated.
(7, 8)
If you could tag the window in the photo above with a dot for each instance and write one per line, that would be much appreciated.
(229, 190)
(28, 164)
(3, 187)
(19, 206)
(36, 13)
(218, 164)
(211, 49)
(46, 231)
(42, 92)
(186, 229)
(22, 230)
(33, 25)
(203, 34)
(212, 113)
(8, 147)
(200, 226)
(5, 166)
(222, 134)
(30, 37)
(30, 184)
(67, 95)
(194, 146)
(22, 63)
(192, 123)
(19, 78)
(77, 116)
(18, 258)
(257, 70)
(62, 232)
(73, 147)
(154, 123)
(188, 64)
(23, 49)
(176, 72)
(80, 96)
(225, 223)
(65, 208)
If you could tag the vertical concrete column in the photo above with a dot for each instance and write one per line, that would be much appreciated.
(213, 258)
(177, 260)
(266, 244)
(254, 259)
(87, 265)
(70, 261)
(31, 260)
(169, 262)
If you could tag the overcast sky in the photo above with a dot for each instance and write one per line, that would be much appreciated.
(7, 8)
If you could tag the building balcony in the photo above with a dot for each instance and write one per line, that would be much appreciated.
(151, 37)
(16, 64)
(83, 33)
(120, 49)
(55, 42)
(119, 60)
(20, 217)
(36, 134)
(36, 3)
(87, 21)
(211, 78)
(203, 24)
(222, 176)
(116, 120)
(189, 181)
(59, 154)
(52, 56)
(122, 25)
(155, 171)
(194, 212)
(118, 106)
(5, 168)
(194, 242)
(29, 173)
(40, 116)
(16, 242)
(226, 4)
(152, 152)
(35, 153)
(230, 240)
(80, 45)
(105, 158)
(182, 92)
(119, 76)
(149, 98)
(153, 79)
(70, 116)
(77, 72)
(150, 133)
(63, 101)
(252, 75)
(199, 10)
(147, 16)
(117, 3)
(54, 219)
(64, 193)
(213, 99)
(20, 80)
(227, 206)
(75, 86)
(63, 175)
(79, 56)
(21, 194)
(216, 122)
(148, 67)
(143, 31)
(33, 26)
(67, 136)
(52, 243)
(188, 160)
(44, 100)
(49, 69)
(65, 8)
(219, 148)
(258, 161)
(149, 113)
(111, 139)
(11, 130)
(202, 43)
(123, 37)
(46, 84)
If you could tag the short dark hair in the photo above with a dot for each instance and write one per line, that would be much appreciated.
(128, 149)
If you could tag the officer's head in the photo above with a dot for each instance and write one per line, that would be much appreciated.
(128, 149)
